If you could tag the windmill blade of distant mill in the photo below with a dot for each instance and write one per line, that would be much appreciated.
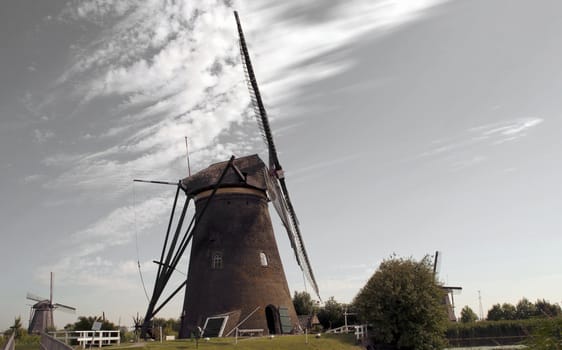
(36, 298)
(64, 308)
(437, 263)
(277, 186)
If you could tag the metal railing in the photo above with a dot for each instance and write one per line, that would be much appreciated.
(360, 330)
(10, 345)
(48, 342)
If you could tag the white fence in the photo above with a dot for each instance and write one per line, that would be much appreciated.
(99, 337)
(90, 338)
(360, 331)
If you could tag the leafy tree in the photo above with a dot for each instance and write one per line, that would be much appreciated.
(15, 328)
(525, 309)
(468, 315)
(546, 335)
(495, 313)
(331, 314)
(404, 305)
(169, 326)
(504, 311)
(304, 305)
(85, 323)
(509, 311)
(545, 309)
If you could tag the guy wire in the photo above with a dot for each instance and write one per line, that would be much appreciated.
(137, 241)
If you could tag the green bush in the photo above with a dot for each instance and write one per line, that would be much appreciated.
(506, 332)
(546, 335)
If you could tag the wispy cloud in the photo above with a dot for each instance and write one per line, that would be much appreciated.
(33, 178)
(487, 135)
(507, 131)
(41, 136)
(174, 69)
(85, 262)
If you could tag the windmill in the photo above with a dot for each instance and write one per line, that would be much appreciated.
(448, 297)
(137, 326)
(235, 274)
(41, 313)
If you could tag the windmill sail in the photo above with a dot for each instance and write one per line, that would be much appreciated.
(64, 308)
(36, 298)
(278, 188)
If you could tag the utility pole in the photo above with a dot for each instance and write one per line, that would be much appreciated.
(480, 306)
(345, 313)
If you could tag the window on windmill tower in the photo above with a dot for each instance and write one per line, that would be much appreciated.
(263, 259)
(216, 263)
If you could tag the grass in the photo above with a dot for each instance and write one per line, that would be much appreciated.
(287, 342)
(27, 346)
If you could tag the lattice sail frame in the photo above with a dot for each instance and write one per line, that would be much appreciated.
(277, 188)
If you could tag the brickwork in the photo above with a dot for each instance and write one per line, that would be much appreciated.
(236, 228)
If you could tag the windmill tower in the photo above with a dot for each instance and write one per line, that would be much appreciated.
(235, 275)
(449, 291)
(41, 313)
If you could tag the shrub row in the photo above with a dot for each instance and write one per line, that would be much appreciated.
(490, 333)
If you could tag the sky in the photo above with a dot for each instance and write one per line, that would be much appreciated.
(404, 127)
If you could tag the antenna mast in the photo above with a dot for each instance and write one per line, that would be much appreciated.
(480, 306)
(187, 156)
(51, 295)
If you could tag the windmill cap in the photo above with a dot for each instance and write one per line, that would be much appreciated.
(247, 172)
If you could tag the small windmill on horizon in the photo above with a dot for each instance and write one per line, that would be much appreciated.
(448, 298)
(41, 313)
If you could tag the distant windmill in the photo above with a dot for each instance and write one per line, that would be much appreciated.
(448, 297)
(41, 314)
(137, 326)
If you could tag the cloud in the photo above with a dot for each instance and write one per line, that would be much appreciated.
(120, 226)
(33, 178)
(487, 135)
(172, 69)
(510, 131)
(85, 263)
(97, 272)
(41, 136)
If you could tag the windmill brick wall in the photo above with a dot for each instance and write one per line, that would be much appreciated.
(235, 265)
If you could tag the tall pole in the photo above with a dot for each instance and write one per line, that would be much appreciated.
(480, 306)
(187, 156)
(51, 290)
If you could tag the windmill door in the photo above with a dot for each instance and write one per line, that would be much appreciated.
(272, 317)
(285, 320)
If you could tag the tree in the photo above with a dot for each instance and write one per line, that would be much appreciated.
(525, 309)
(15, 328)
(331, 314)
(509, 311)
(495, 313)
(404, 305)
(468, 315)
(85, 323)
(505, 311)
(169, 326)
(304, 305)
(545, 309)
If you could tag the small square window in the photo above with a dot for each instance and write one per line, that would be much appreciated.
(263, 259)
(216, 263)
